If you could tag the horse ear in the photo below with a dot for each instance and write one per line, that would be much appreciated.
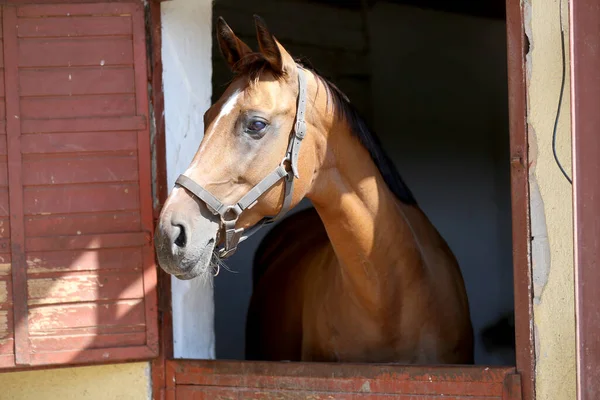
(232, 48)
(273, 51)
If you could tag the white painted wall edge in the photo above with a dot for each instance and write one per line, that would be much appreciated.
(187, 70)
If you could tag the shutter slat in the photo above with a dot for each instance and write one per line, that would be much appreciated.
(64, 261)
(76, 81)
(77, 106)
(75, 26)
(79, 142)
(75, 52)
(81, 224)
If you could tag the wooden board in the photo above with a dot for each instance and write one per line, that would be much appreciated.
(200, 380)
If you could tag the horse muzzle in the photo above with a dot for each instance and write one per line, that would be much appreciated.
(185, 242)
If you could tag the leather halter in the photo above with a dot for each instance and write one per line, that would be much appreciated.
(230, 213)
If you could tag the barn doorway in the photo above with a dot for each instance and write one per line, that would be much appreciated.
(431, 80)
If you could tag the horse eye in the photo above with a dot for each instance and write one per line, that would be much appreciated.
(256, 126)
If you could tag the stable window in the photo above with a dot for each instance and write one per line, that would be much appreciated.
(461, 146)
(77, 280)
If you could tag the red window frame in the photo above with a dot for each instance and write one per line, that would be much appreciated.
(178, 379)
(585, 120)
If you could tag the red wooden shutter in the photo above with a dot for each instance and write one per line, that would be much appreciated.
(77, 272)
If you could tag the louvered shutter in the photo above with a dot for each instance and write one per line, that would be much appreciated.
(77, 271)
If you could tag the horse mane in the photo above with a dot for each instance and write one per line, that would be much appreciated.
(252, 65)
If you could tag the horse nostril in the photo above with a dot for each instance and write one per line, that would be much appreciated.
(181, 239)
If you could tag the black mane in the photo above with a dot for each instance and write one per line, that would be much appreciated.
(254, 64)
(368, 138)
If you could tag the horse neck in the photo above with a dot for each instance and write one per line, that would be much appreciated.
(370, 229)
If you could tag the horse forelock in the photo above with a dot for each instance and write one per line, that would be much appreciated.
(253, 65)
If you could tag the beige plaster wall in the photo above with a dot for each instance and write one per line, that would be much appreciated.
(551, 203)
(114, 382)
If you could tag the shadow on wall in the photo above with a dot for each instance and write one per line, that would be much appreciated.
(433, 86)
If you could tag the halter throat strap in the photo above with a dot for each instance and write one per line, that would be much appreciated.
(229, 214)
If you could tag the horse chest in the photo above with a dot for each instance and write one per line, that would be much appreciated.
(336, 329)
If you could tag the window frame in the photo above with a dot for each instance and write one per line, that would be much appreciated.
(585, 120)
(165, 369)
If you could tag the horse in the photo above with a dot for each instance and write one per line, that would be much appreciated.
(363, 276)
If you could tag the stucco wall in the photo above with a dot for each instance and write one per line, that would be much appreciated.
(115, 382)
(551, 204)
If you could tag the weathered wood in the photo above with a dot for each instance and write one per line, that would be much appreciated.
(83, 124)
(3, 146)
(62, 316)
(77, 106)
(106, 241)
(49, 171)
(6, 345)
(521, 223)
(92, 340)
(145, 178)
(66, 9)
(82, 224)
(224, 379)
(4, 202)
(85, 288)
(92, 356)
(62, 261)
(3, 174)
(75, 52)
(7, 342)
(195, 393)
(585, 120)
(512, 387)
(90, 198)
(74, 26)
(4, 234)
(78, 142)
(76, 81)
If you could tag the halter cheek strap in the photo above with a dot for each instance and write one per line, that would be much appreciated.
(230, 213)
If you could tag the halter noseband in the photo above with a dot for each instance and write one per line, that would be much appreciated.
(230, 213)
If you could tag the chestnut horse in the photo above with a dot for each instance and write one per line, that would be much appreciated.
(362, 277)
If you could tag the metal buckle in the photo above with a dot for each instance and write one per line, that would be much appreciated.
(300, 129)
(235, 210)
(228, 226)
(224, 253)
(290, 172)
